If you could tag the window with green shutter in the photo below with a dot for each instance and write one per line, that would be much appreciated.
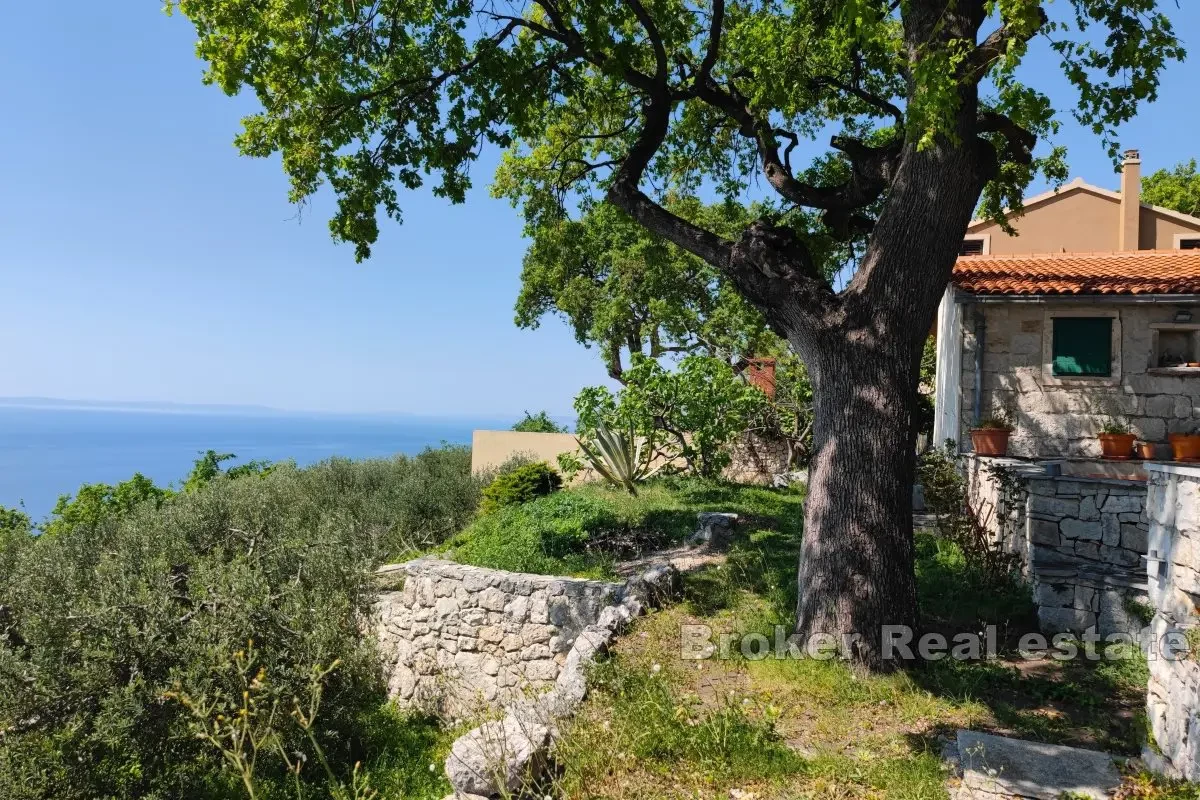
(1082, 346)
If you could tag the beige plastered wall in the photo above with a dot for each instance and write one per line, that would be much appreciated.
(1077, 220)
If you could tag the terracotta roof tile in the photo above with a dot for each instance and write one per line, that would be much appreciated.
(1134, 272)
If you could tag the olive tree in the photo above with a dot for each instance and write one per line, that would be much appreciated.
(633, 102)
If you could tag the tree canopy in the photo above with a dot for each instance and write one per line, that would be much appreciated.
(538, 423)
(628, 98)
(1177, 188)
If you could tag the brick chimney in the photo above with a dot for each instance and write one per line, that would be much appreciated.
(1131, 201)
(760, 373)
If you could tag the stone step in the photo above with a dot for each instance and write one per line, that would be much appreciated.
(996, 766)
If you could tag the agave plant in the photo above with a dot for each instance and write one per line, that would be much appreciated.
(621, 459)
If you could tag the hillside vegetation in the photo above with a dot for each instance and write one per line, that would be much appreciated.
(133, 600)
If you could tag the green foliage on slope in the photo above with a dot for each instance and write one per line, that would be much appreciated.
(129, 597)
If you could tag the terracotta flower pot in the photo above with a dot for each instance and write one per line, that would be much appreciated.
(1185, 446)
(990, 441)
(1146, 450)
(1116, 445)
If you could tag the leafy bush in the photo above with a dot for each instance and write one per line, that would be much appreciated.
(520, 485)
(208, 466)
(99, 501)
(550, 535)
(539, 423)
(692, 413)
(16, 532)
(965, 523)
(104, 618)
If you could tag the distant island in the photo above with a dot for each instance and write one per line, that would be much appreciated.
(136, 405)
(162, 407)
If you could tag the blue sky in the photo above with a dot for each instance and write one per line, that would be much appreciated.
(142, 259)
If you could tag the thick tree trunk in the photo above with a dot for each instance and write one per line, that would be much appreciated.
(856, 564)
(862, 346)
(856, 572)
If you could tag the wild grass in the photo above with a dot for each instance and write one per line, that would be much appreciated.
(584, 531)
(812, 728)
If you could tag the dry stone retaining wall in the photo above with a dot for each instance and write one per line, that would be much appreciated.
(1081, 541)
(1173, 566)
(458, 638)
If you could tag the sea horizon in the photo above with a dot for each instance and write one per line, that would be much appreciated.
(51, 449)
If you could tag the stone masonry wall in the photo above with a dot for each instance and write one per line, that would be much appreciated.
(1080, 540)
(1173, 567)
(458, 638)
(1056, 420)
(757, 459)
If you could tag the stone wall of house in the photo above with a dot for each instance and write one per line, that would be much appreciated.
(458, 638)
(1080, 541)
(1063, 420)
(1173, 567)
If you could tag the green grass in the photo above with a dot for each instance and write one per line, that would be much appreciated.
(406, 754)
(639, 718)
(658, 726)
(584, 531)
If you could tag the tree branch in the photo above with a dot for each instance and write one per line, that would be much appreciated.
(1020, 142)
(714, 43)
(661, 66)
(625, 192)
(881, 103)
(995, 46)
(873, 167)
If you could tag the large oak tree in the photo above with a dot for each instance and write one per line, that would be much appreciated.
(634, 102)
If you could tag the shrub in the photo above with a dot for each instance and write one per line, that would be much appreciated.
(15, 533)
(110, 613)
(520, 485)
(539, 423)
(965, 523)
(690, 414)
(96, 502)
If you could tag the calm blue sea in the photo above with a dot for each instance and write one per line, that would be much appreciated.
(48, 452)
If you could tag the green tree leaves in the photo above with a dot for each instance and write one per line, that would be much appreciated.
(1177, 189)
(538, 423)
(692, 413)
(629, 292)
(378, 96)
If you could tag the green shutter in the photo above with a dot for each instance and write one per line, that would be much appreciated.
(1083, 346)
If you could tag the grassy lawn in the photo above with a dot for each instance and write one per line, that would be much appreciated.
(658, 726)
(585, 530)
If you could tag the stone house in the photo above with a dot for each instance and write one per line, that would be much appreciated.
(1091, 311)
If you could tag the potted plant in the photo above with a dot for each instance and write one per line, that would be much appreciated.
(1147, 451)
(1116, 440)
(1185, 446)
(990, 435)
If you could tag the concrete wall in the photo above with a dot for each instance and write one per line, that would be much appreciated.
(755, 459)
(458, 639)
(490, 449)
(1173, 697)
(1059, 417)
(1080, 541)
